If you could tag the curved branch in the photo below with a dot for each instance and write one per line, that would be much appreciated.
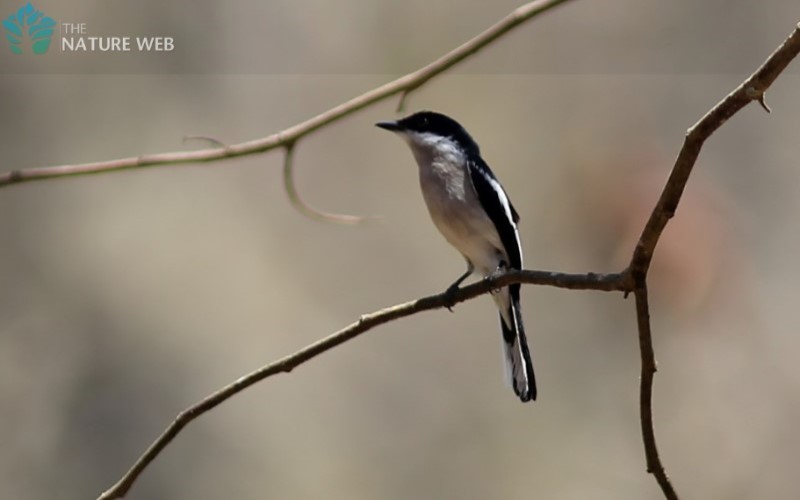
(590, 281)
(290, 135)
(303, 207)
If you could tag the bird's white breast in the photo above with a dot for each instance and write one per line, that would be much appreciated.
(454, 205)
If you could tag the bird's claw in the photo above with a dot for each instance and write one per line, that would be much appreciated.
(450, 297)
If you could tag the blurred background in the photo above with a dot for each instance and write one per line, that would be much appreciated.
(126, 297)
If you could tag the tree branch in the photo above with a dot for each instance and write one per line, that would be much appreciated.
(405, 85)
(752, 89)
(590, 281)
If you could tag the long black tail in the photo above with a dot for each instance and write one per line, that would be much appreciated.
(518, 358)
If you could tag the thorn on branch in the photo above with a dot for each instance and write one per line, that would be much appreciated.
(757, 95)
(763, 104)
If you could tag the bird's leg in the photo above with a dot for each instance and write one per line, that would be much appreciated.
(502, 268)
(452, 289)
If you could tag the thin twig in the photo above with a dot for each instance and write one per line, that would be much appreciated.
(590, 281)
(303, 207)
(292, 134)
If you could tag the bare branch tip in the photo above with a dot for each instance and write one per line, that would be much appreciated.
(110, 494)
(306, 209)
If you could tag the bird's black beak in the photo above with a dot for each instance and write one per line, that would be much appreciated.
(392, 126)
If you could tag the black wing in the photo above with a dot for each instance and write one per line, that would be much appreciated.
(497, 205)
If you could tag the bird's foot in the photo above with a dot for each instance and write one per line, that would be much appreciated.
(450, 296)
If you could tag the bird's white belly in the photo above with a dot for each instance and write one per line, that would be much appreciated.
(459, 216)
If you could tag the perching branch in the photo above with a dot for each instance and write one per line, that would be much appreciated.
(289, 137)
(590, 281)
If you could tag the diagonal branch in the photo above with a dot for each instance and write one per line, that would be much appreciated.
(590, 281)
(752, 89)
(404, 84)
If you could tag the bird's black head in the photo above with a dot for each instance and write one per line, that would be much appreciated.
(430, 122)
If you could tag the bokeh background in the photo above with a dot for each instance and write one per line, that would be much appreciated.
(126, 297)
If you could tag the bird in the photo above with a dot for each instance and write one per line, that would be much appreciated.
(474, 214)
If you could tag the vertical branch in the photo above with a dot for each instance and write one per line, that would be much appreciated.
(654, 465)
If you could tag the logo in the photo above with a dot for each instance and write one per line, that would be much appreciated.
(29, 27)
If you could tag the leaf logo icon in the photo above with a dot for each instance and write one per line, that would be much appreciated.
(30, 23)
